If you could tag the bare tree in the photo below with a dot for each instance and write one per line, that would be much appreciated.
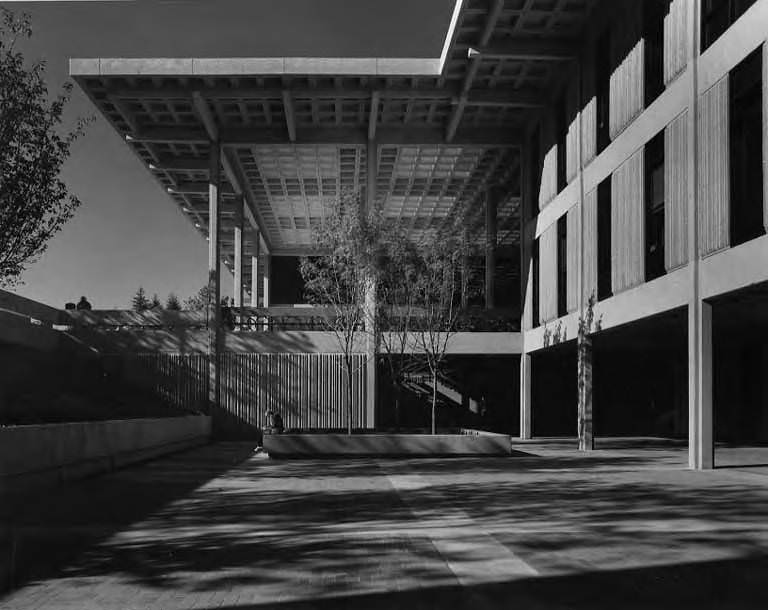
(397, 309)
(349, 244)
(438, 295)
(34, 202)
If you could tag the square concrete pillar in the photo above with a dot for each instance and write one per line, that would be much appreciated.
(701, 455)
(525, 397)
(267, 265)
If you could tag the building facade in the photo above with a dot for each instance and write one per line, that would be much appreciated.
(611, 156)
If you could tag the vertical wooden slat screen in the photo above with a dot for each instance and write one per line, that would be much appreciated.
(548, 273)
(308, 390)
(627, 95)
(527, 308)
(765, 136)
(572, 258)
(548, 188)
(589, 133)
(589, 284)
(675, 36)
(676, 192)
(713, 192)
(628, 223)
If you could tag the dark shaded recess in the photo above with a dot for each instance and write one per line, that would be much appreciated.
(287, 285)
(494, 379)
(740, 366)
(640, 378)
(654, 207)
(717, 16)
(554, 390)
(654, 12)
(562, 266)
(70, 384)
(602, 89)
(746, 149)
(604, 282)
(535, 281)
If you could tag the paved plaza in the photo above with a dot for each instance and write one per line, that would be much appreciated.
(222, 527)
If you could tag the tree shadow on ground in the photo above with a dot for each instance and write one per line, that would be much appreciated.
(320, 530)
(46, 529)
(732, 584)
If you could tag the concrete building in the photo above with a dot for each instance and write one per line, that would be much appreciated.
(612, 154)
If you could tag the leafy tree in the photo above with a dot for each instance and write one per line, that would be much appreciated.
(350, 245)
(172, 303)
(140, 302)
(155, 302)
(34, 202)
(437, 287)
(199, 301)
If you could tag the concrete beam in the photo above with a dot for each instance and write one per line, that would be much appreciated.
(373, 117)
(331, 135)
(458, 111)
(199, 188)
(249, 66)
(290, 117)
(180, 164)
(537, 49)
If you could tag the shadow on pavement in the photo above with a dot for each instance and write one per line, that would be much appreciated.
(44, 530)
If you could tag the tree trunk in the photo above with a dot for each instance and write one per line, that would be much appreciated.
(349, 399)
(584, 351)
(434, 402)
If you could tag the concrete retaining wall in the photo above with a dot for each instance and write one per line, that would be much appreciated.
(469, 442)
(34, 456)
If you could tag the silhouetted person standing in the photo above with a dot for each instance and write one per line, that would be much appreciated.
(83, 304)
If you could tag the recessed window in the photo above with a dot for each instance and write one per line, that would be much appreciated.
(561, 127)
(604, 289)
(603, 89)
(717, 16)
(562, 266)
(535, 284)
(654, 208)
(746, 149)
(535, 169)
(654, 12)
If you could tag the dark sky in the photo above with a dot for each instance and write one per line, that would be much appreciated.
(128, 232)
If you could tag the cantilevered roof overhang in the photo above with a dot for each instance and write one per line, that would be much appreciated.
(295, 131)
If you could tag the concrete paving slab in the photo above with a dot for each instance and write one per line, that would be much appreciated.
(624, 526)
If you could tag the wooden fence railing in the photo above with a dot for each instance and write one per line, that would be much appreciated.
(308, 390)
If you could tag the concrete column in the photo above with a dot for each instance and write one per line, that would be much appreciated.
(255, 271)
(700, 434)
(215, 336)
(490, 247)
(526, 428)
(465, 273)
(267, 265)
(371, 338)
(238, 272)
(700, 442)
(525, 396)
